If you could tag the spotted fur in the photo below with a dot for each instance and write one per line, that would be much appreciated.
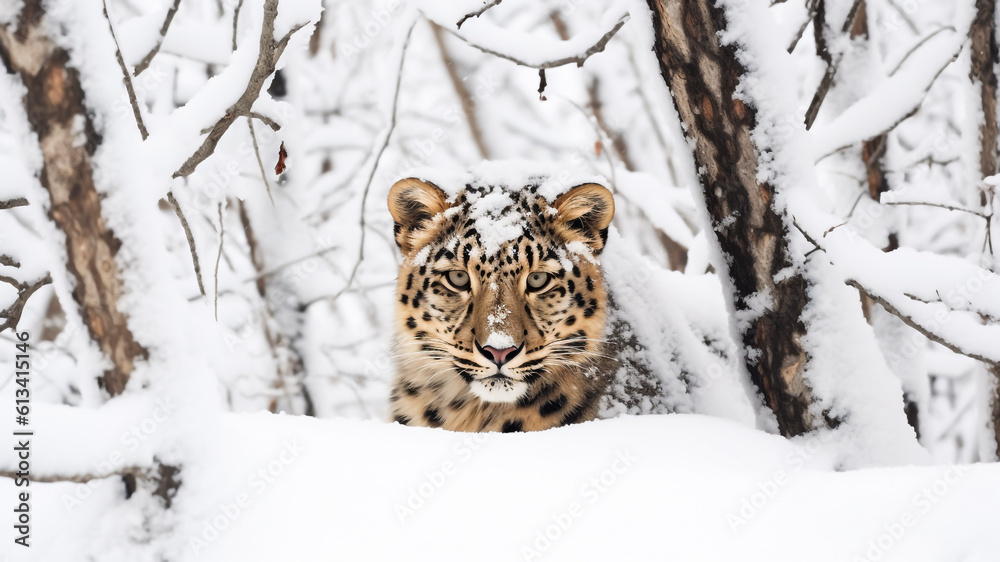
(444, 378)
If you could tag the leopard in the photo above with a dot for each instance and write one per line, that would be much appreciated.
(500, 305)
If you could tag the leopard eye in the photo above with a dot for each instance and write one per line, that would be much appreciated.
(538, 280)
(458, 279)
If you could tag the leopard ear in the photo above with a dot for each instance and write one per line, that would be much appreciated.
(413, 204)
(584, 213)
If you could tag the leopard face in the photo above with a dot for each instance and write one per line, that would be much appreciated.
(500, 305)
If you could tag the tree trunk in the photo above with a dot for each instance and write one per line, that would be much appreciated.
(702, 74)
(984, 56)
(56, 109)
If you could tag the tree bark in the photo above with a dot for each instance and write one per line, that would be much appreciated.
(56, 110)
(702, 74)
(984, 56)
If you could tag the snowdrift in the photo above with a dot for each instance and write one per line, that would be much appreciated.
(674, 487)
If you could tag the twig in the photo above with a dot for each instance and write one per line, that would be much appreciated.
(270, 52)
(654, 123)
(236, 21)
(822, 49)
(578, 59)
(272, 271)
(940, 206)
(11, 203)
(617, 139)
(135, 471)
(465, 97)
(190, 239)
(600, 137)
(904, 16)
(287, 360)
(127, 78)
(811, 11)
(477, 13)
(920, 43)
(260, 163)
(146, 60)
(371, 173)
(12, 314)
(218, 259)
(271, 123)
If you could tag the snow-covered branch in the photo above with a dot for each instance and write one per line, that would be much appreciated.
(268, 54)
(526, 49)
(477, 13)
(944, 298)
(893, 100)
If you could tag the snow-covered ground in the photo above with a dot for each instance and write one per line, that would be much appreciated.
(675, 487)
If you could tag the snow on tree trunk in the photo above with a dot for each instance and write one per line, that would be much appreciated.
(703, 75)
(56, 109)
(804, 341)
(984, 52)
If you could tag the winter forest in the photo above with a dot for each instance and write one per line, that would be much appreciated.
(199, 269)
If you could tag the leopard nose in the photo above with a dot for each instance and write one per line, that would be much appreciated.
(498, 356)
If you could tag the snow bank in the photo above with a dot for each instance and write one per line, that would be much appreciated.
(679, 487)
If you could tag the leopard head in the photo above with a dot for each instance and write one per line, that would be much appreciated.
(500, 291)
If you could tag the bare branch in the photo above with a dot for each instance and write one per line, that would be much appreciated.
(11, 203)
(267, 273)
(134, 471)
(578, 59)
(236, 21)
(270, 51)
(274, 126)
(218, 259)
(144, 63)
(9, 261)
(190, 239)
(477, 13)
(811, 11)
(260, 163)
(12, 314)
(127, 78)
(919, 44)
(940, 206)
(822, 49)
